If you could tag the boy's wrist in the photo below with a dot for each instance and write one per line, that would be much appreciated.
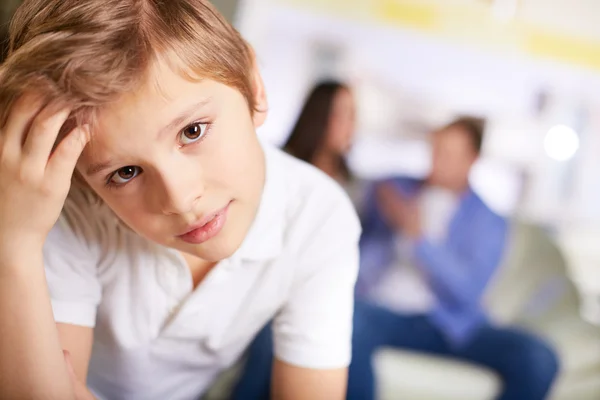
(21, 255)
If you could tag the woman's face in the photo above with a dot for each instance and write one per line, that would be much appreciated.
(342, 123)
(179, 162)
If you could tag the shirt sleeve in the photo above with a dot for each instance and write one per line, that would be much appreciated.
(460, 280)
(314, 328)
(70, 260)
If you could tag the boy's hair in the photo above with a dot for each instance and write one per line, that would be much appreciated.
(88, 53)
(474, 127)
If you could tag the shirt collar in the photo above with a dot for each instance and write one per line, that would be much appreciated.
(264, 240)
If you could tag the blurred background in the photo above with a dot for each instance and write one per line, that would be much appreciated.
(531, 68)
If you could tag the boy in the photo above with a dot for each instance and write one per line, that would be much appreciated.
(182, 234)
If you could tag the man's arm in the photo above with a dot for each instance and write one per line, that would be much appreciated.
(457, 279)
(461, 281)
(295, 383)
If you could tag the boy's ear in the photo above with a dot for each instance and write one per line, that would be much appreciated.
(260, 95)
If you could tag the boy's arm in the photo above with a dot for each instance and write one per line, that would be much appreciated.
(33, 188)
(313, 331)
(31, 362)
(295, 383)
(77, 341)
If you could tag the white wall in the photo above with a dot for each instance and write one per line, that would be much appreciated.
(407, 82)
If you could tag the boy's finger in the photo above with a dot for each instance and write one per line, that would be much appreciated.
(43, 134)
(63, 160)
(19, 120)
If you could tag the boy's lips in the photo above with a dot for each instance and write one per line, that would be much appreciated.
(207, 228)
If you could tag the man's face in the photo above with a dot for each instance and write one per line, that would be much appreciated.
(453, 156)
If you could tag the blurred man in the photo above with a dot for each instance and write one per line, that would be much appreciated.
(429, 249)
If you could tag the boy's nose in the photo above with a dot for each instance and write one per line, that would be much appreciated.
(179, 196)
(179, 203)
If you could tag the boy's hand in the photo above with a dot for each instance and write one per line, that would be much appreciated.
(34, 181)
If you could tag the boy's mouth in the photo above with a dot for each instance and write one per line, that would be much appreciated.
(207, 228)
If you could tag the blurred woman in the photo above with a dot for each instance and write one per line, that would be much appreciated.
(324, 132)
(322, 136)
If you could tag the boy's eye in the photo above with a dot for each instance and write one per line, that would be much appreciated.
(192, 133)
(124, 175)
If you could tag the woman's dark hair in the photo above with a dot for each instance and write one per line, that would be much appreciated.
(310, 132)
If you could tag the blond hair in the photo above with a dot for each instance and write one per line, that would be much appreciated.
(87, 53)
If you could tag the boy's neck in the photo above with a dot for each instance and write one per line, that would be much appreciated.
(199, 268)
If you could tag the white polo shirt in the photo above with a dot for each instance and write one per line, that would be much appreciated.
(156, 339)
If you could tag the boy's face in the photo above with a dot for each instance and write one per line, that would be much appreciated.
(179, 162)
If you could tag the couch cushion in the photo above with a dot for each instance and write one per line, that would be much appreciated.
(415, 376)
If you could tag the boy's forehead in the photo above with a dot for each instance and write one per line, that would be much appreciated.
(160, 85)
(161, 95)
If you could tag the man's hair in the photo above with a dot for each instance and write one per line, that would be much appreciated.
(474, 127)
(88, 53)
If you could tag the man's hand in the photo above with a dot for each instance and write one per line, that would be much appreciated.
(400, 213)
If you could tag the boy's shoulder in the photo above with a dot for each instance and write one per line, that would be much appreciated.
(305, 184)
(312, 201)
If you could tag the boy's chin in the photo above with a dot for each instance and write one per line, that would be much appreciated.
(211, 252)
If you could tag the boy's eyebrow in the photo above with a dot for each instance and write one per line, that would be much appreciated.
(184, 116)
(99, 167)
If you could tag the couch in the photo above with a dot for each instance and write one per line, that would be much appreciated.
(531, 290)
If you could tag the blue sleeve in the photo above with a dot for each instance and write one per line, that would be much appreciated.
(375, 244)
(376, 253)
(460, 280)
